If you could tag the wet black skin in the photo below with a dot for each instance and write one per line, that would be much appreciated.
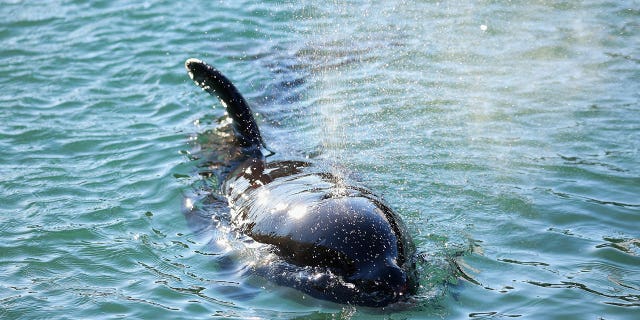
(313, 219)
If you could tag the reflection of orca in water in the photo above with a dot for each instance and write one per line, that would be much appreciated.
(337, 241)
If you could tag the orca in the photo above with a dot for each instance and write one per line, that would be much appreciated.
(337, 240)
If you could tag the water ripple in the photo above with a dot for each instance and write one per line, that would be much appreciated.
(512, 144)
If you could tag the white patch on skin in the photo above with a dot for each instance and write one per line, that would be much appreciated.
(264, 196)
(280, 206)
(298, 212)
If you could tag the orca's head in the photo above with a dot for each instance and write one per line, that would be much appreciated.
(383, 283)
(368, 245)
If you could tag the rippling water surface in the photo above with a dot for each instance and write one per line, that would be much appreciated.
(507, 135)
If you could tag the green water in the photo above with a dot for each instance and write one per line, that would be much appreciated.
(506, 134)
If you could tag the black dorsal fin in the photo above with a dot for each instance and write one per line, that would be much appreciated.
(215, 83)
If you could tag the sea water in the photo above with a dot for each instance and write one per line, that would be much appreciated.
(505, 133)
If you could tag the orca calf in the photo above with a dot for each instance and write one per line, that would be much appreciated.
(338, 241)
